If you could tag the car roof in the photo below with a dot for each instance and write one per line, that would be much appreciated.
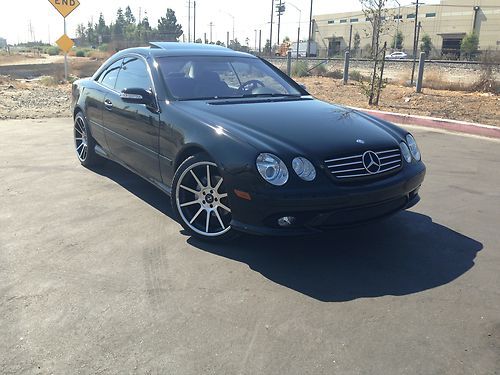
(158, 49)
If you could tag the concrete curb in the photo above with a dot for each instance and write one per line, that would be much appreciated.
(438, 123)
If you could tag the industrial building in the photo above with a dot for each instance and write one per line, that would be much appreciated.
(446, 23)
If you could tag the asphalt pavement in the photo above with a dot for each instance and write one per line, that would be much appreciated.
(96, 277)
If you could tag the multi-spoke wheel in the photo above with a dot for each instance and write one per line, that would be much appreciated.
(84, 143)
(200, 200)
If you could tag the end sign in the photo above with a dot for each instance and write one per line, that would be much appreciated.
(65, 7)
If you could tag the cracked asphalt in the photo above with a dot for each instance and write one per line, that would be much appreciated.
(95, 276)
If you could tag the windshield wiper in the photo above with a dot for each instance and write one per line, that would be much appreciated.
(270, 94)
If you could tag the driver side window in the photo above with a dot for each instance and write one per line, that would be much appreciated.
(108, 78)
(133, 74)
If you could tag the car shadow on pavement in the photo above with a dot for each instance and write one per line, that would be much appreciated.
(404, 254)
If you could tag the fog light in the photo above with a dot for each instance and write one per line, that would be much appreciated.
(286, 221)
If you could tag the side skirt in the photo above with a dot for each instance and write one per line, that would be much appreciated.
(164, 188)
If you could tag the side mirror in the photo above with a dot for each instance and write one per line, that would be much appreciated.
(138, 96)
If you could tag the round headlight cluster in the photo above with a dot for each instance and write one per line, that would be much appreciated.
(405, 151)
(272, 169)
(415, 152)
(304, 168)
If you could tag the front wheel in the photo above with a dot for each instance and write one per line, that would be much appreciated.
(200, 200)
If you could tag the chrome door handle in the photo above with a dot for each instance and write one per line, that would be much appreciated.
(108, 104)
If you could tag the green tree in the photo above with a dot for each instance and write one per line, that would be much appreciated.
(102, 30)
(119, 26)
(397, 41)
(129, 16)
(426, 45)
(168, 28)
(470, 45)
(267, 47)
(356, 43)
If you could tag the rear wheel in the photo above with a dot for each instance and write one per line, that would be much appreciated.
(84, 143)
(200, 200)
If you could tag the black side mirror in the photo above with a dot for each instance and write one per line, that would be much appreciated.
(138, 96)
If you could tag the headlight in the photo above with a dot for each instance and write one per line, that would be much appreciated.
(272, 169)
(405, 151)
(413, 147)
(304, 168)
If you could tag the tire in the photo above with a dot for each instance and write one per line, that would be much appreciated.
(202, 208)
(84, 143)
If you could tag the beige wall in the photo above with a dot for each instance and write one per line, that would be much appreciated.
(451, 17)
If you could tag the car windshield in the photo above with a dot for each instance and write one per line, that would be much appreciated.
(220, 77)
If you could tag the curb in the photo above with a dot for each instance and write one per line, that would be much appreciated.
(434, 122)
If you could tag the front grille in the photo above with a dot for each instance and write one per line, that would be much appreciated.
(352, 166)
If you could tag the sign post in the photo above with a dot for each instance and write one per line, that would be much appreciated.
(65, 7)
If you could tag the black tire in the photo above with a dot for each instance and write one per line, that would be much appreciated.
(84, 143)
(199, 200)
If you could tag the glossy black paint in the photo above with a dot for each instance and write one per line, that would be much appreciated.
(152, 140)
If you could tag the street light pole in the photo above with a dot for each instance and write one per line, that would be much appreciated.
(310, 29)
(298, 29)
(271, 32)
(415, 41)
(397, 23)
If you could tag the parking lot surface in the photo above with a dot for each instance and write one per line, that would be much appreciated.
(95, 276)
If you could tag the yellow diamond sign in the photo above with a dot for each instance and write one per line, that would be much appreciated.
(65, 7)
(65, 43)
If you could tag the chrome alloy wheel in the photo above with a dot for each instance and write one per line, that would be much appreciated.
(202, 201)
(81, 139)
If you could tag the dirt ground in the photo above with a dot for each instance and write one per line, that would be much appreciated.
(19, 99)
(483, 108)
(32, 99)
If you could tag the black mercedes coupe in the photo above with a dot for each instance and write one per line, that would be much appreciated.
(238, 145)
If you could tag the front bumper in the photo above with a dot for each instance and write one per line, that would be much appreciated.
(338, 206)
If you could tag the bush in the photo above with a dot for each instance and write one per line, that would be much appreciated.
(103, 47)
(356, 75)
(53, 51)
(80, 53)
(336, 74)
(299, 69)
(319, 70)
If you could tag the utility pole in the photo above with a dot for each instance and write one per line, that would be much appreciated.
(205, 38)
(271, 33)
(227, 39)
(310, 30)
(255, 41)
(279, 22)
(350, 38)
(211, 26)
(260, 41)
(194, 21)
(415, 42)
(189, 21)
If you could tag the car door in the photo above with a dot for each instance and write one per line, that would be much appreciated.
(95, 102)
(133, 128)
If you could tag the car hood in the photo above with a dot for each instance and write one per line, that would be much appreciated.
(309, 127)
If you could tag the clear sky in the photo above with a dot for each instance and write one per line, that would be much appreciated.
(249, 15)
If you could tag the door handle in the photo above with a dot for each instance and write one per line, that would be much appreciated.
(108, 104)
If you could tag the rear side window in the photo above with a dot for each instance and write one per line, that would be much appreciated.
(108, 78)
(133, 74)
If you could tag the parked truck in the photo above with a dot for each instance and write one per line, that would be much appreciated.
(303, 49)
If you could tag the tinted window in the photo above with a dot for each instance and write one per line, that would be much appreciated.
(108, 78)
(133, 74)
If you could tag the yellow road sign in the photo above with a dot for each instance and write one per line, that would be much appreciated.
(65, 43)
(65, 7)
